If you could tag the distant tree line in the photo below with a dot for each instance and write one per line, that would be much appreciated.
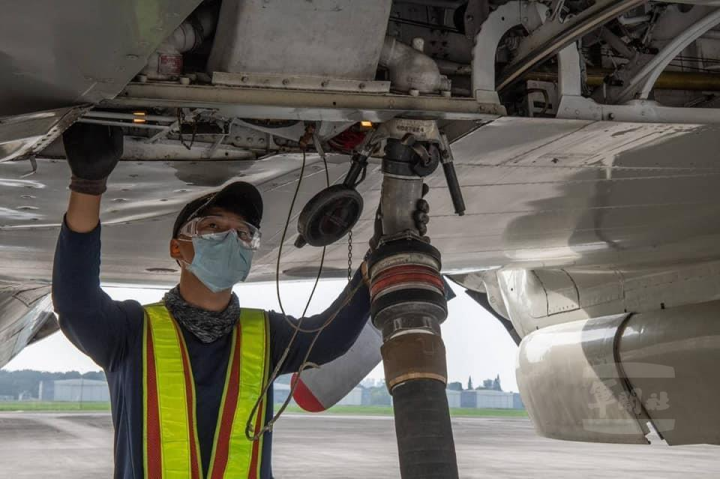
(14, 383)
(491, 384)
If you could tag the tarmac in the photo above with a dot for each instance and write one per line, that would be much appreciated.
(79, 446)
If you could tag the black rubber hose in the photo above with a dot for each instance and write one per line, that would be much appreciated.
(424, 433)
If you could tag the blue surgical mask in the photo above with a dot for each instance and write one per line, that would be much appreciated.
(220, 261)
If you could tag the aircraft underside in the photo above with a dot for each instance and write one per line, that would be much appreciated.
(584, 137)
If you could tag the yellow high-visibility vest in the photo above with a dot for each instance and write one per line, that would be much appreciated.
(171, 446)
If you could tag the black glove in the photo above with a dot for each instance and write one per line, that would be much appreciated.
(92, 152)
(421, 214)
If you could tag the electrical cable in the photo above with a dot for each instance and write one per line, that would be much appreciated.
(297, 327)
(249, 427)
(180, 119)
(304, 365)
(286, 352)
(322, 257)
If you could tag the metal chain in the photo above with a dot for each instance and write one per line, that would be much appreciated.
(349, 256)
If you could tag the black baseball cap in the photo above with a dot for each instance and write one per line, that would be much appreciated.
(239, 197)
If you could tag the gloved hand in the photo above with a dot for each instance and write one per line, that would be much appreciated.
(92, 152)
(422, 210)
(421, 216)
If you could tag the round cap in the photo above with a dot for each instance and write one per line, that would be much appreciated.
(239, 197)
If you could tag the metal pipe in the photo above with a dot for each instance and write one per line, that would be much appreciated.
(448, 67)
(398, 203)
(553, 37)
(166, 62)
(629, 21)
(692, 81)
(129, 116)
(646, 77)
(147, 126)
(411, 69)
(190, 34)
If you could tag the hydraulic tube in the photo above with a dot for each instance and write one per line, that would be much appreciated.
(408, 305)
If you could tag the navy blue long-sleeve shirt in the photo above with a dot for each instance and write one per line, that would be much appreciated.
(110, 332)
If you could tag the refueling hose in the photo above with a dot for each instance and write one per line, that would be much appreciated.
(424, 433)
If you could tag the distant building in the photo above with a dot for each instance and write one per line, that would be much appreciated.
(468, 399)
(517, 401)
(371, 383)
(281, 393)
(486, 399)
(377, 396)
(77, 390)
(26, 396)
(47, 390)
(453, 397)
(354, 398)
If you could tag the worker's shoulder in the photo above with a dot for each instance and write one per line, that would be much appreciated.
(254, 314)
(254, 311)
(133, 309)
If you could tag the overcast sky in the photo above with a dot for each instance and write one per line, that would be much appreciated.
(477, 345)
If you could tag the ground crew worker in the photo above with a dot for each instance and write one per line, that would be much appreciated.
(184, 373)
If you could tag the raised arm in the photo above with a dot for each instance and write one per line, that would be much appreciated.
(97, 325)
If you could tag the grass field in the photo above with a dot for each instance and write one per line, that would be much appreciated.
(358, 410)
(53, 406)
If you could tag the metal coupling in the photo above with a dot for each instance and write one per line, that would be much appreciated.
(406, 289)
(415, 355)
(408, 305)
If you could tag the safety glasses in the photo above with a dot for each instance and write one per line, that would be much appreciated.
(248, 234)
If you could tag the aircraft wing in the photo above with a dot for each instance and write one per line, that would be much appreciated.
(584, 138)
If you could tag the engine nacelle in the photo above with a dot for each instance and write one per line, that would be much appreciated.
(606, 379)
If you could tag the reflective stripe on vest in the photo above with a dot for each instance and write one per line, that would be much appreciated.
(171, 446)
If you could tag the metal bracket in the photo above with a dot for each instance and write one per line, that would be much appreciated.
(548, 39)
(573, 105)
(26, 135)
(33, 165)
(505, 17)
(640, 85)
(298, 82)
